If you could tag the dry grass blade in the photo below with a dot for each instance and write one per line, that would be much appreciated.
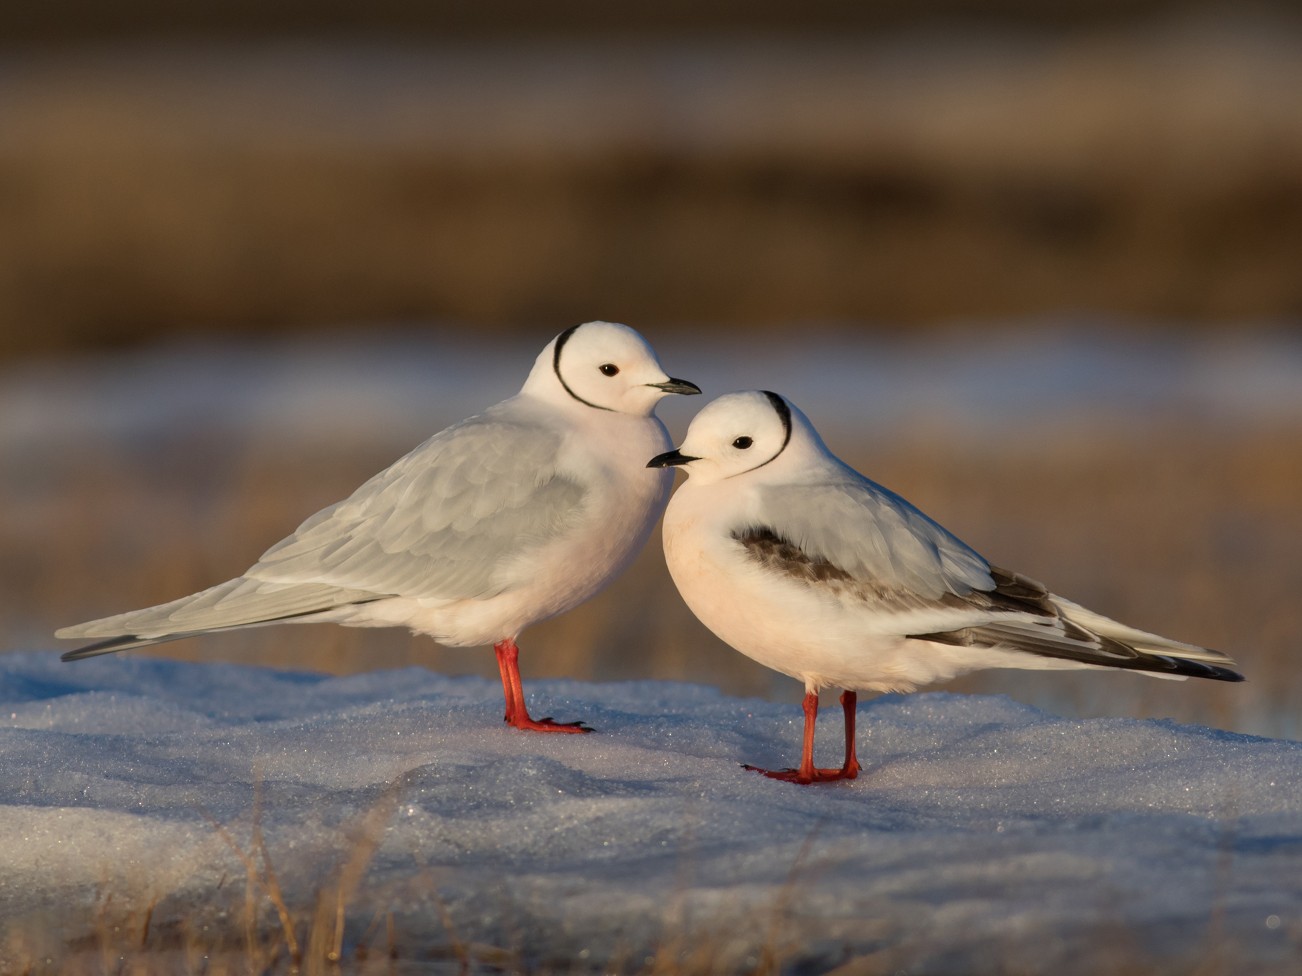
(260, 877)
(271, 882)
(771, 950)
(326, 941)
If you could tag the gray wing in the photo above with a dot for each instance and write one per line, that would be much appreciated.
(441, 522)
(861, 534)
(860, 540)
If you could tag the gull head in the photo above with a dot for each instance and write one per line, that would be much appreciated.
(739, 433)
(603, 366)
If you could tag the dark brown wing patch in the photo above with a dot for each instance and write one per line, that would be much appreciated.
(1013, 593)
(782, 556)
(774, 552)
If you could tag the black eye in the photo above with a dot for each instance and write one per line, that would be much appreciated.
(741, 443)
(608, 369)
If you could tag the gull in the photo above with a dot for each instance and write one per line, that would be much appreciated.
(803, 564)
(510, 517)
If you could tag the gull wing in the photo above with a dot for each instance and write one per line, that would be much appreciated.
(858, 534)
(860, 540)
(1021, 615)
(237, 603)
(440, 523)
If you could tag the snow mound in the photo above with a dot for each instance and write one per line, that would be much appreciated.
(984, 835)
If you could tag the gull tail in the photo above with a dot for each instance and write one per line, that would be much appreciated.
(1025, 617)
(1156, 654)
(233, 605)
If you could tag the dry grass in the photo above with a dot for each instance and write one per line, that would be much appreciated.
(267, 931)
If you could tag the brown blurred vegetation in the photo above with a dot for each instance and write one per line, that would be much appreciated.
(671, 168)
(58, 21)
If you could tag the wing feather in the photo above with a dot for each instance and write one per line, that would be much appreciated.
(441, 522)
(1021, 615)
(240, 602)
(859, 541)
(867, 535)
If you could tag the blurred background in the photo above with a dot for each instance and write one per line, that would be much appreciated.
(1038, 267)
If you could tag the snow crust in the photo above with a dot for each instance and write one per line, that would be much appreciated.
(984, 835)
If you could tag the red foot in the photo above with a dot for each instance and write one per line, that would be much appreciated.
(808, 772)
(517, 715)
(547, 725)
(817, 774)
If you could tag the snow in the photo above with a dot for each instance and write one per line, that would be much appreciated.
(984, 836)
(404, 383)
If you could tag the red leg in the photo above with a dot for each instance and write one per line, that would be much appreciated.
(500, 649)
(517, 715)
(808, 772)
(849, 702)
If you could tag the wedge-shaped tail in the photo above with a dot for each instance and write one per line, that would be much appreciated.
(1065, 630)
(237, 603)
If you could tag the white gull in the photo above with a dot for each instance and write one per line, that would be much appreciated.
(798, 561)
(510, 517)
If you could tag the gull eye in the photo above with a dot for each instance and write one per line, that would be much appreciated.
(608, 369)
(743, 442)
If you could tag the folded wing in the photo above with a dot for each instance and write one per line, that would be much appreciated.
(857, 533)
(441, 524)
(860, 542)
